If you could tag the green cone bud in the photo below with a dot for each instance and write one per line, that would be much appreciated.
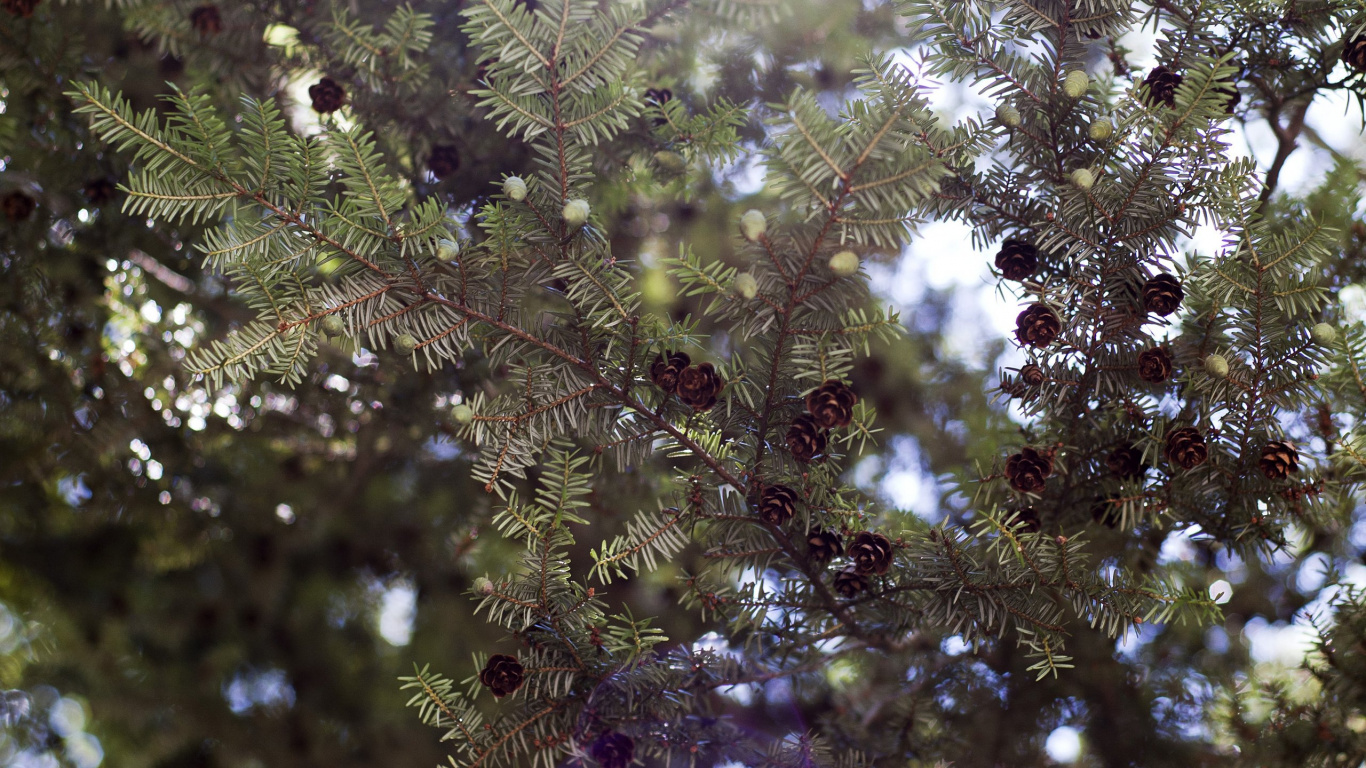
(447, 250)
(514, 188)
(462, 414)
(747, 286)
(844, 263)
(333, 325)
(1075, 84)
(1082, 179)
(1216, 365)
(753, 225)
(1324, 334)
(405, 343)
(671, 163)
(1008, 116)
(1100, 130)
(575, 213)
(483, 586)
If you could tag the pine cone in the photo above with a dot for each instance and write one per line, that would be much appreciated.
(698, 386)
(444, 161)
(1186, 447)
(17, 205)
(1027, 470)
(805, 438)
(206, 20)
(658, 96)
(1029, 518)
(21, 8)
(99, 191)
(872, 552)
(665, 369)
(777, 504)
(1017, 259)
(822, 546)
(849, 582)
(502, 674)
(1154, 365)
(832, 404)
(1161, 83)
(1279, 459)
(1037, 326)
(1126, 461)
(1354, 53)
(327, 95)
(613, 750)
(1162, 294)
(1032, 375)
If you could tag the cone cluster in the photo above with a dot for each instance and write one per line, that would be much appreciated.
(828, 406)
(697, 386)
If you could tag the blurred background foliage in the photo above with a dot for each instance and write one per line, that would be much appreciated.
(236, 578)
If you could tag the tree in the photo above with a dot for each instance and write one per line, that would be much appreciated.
(710, 446)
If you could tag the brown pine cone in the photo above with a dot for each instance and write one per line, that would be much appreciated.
(613, 750)
(99, 191)
(17, 205)
(777, 504)
(444, 161)
(1161, 83)
(1029, 518)
(832, 403)
(658, 96)
(849, 582)
(1017, 259)
(698, 386)
(1162, 294)
(805, 438)
(1154, 365)
(1279, 459)
(1028, 469)
(1354, 52)
(822, 546)
(502, 674)
(665, 369)
(1037, 326)
(872, 552)
(327, 95)
(206, 20)
(1032, 375)
(1126, 461)
(21, 8)
(1186, 447)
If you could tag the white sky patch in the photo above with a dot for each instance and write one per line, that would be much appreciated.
(397, 610)
(1064, 744)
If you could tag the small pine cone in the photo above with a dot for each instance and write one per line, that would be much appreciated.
(822, 546)
(444, 161)
(658, 96)
(1162, 294)
(1279, 459)
(17, 205)
(1017, 260)
(327, 95)
(1126, 461)
(1354, 52)
(1154, 365)
(206, 20)
(21, 8)
(1037, 326)
(849, 582)
(1027, 470)
(1028, 517)
(699, 385)
(872, 552)
(832, 404)
(613, 750)
(665, 369)
(805, 438)
(1032, 375)
(777, 504)
(99, 191)
(1186, 447)
(502, 674)
(1161, 83)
